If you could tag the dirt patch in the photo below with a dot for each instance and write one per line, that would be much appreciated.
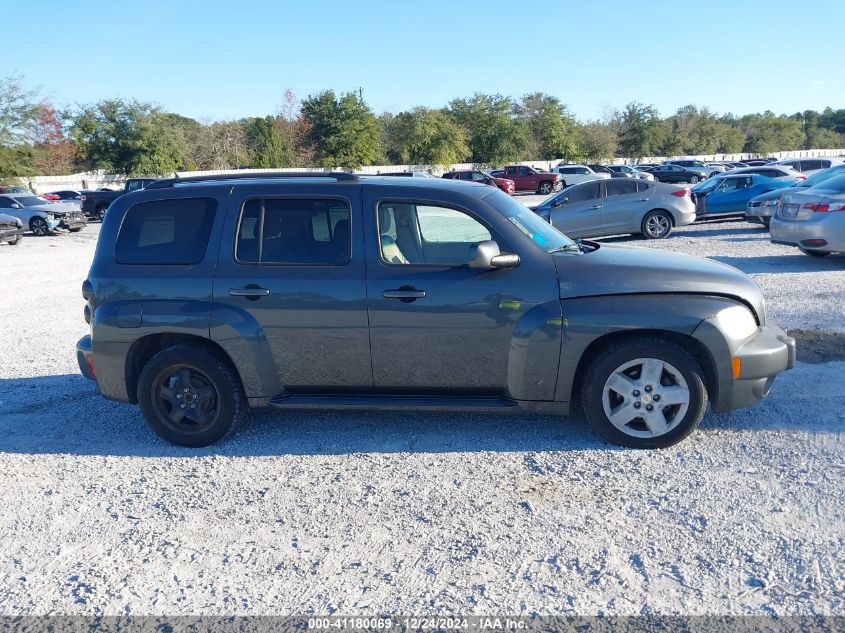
(815, 346)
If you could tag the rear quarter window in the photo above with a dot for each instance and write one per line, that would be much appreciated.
(168, 232)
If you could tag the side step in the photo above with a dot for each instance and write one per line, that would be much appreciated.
(389, 402)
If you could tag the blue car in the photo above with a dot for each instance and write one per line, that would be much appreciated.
(729, 195)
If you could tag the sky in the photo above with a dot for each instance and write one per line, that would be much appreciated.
(217, 60)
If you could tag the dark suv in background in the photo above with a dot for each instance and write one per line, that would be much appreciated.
(210, 294)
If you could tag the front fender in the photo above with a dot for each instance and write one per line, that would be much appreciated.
(588, 320)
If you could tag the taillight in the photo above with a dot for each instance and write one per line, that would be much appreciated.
(824, 207)
(799, 178)
(82, 198)
(681, 193)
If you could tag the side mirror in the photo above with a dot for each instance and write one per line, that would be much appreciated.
(15, 205)
(560, 201)
(486, 255)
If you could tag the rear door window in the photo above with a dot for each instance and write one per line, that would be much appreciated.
(173, 232)
(589, 191)
(294, 231)
(618, 187)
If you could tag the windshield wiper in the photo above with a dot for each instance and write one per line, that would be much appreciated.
(575, 247)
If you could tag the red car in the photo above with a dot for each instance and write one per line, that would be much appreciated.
(529, 179)
(474, 175)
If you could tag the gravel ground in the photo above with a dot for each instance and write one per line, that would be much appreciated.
(385, 513)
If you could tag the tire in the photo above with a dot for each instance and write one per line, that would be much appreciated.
(545, 188)
(100, 213)
(16, 241)
(693, 179)
(815, 253)
(766, 222)
(202, 386)
(39, 227)
(657, 225)
(76, 230)
(616, 365)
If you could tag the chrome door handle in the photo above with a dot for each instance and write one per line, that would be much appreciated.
(596, 206)
(249, 292)
(404, 294)
(644, 199)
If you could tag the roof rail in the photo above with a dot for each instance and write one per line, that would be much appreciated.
(336, 175)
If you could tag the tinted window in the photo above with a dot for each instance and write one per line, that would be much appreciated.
(619, 187)
(297, 231)
(589, 191)
(642, 185)
(567, 170)
(166, 232)
(477, 176)
(524, 171)
(5, 203)
(809, 165)
(824, 164)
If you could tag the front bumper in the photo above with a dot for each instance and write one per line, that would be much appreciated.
(85, 358)
(8, 234)
(756, 214)
(73, 222)
(761, 357)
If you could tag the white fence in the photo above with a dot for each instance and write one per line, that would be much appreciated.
(96, 180)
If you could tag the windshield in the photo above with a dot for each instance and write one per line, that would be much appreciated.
(543, 234)
(708, 185)
(821, 176)
(836, 184)
(30, 201)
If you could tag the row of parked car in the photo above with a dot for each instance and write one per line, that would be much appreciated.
(22, 210)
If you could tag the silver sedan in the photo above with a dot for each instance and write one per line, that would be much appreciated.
(812, 219)
(618, 206)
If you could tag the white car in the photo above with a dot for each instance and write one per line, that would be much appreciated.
(809, 166)
(573, 174)
(40, 215)
(776, 172)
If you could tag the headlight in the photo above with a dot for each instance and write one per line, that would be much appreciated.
(769, 203)
(50, 216)
(738, 321)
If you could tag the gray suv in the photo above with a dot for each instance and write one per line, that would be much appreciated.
(211, 294)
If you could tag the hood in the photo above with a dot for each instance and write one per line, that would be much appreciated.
(502, 181)
(774, 194)
(8, 219)
(615, 270)
(55, 208)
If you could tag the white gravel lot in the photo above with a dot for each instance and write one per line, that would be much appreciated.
(387, 513)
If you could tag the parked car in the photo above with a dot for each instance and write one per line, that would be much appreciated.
(613, 207)
(476, 175)
(646, 167)
(95, 203)
(630, 172)
(729, 195)
(761, 208)
(11, 229)
(573, 174)
(465, 300)
(812, 218)
(529, 179)
(695, 165)
(71, 196)
(41, 216)
(780, 172)
(809, 166)
(677, 173)
(15, 189)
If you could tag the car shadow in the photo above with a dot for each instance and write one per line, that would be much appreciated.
(798, 263)
(66, 415)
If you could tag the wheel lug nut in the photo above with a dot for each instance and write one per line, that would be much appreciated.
(657, 397)
(637, 405)
(178, 396)
(186, 390)
(648, 388)
(636, 393)
(649, 407)
(193, 406)
(183, 405)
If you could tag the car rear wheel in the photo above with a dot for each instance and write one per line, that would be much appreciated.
(657, 225)
(75, 229)
(16, 241)
(647, 392)
(693, 179)
(100, 213)
(39, 227)
(545, 188)
(815, 253)
(190, 396)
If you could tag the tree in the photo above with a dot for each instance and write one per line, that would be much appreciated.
(641, 131)
(126, 138)
(552, 129)
(766, 133)
(267, 143)
(428, 137)
(18, 111)
(692, 131)
(341, 132)
(52, 152)
(496, 136)
(222, 146)
(597, 141)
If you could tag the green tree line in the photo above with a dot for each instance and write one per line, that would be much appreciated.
(341, 130)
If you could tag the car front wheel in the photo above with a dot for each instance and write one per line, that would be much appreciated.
(190, 396)
(647, 392)
(545, 188)
(693, 179)
(16, 241)
(39, 227)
